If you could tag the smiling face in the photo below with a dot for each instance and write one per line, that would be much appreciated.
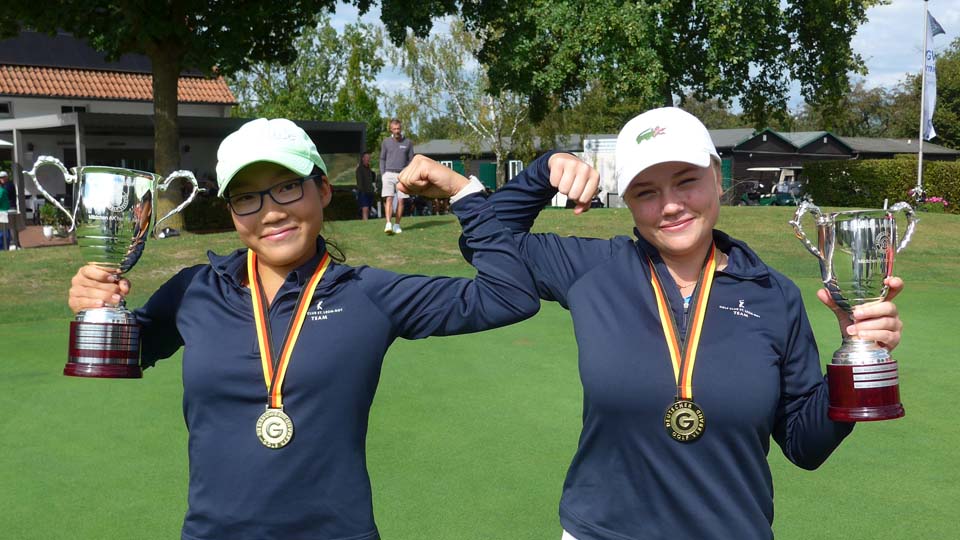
(675, 206)
(283, 236)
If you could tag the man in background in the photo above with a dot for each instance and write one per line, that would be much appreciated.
(366, 180)
(7, 200)
(396, 152)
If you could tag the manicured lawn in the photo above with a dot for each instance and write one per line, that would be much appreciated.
(469, 436)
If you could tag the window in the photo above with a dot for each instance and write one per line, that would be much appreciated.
(72, 108)
(6, 109)
(514, 168)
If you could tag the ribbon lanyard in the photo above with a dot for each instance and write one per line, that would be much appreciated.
(274, 371)
(683, 355)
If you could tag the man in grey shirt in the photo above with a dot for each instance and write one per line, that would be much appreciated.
(396, 152)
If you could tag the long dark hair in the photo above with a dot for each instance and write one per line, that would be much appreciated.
(333, 249)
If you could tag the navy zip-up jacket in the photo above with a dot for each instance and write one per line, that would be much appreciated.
(317, 486)
(757, 375)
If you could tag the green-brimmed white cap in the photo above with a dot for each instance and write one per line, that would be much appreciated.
(277, 141)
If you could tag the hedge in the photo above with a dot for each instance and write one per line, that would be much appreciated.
(867, 183)
(209, 213)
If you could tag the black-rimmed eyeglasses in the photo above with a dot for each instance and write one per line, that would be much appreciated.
(286, 192)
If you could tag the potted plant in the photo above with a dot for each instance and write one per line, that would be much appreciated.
(55, 222)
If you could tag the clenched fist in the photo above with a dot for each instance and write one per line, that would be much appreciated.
(424, 176)
(95, 287)
(575, 179)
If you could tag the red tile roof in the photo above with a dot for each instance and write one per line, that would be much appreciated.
(81, 83)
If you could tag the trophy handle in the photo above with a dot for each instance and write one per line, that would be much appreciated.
(187, 175)
(911, 222)
(50, 161)
(806, 206)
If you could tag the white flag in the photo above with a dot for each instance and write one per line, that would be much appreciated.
(930, 84)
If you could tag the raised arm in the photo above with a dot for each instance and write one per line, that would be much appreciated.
(502, 291)
(556, 262)
(520, 201)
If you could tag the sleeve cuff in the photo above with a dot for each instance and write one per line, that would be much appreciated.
(473, 187)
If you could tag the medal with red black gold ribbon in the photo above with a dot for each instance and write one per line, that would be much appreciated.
(684, 420)
(274, 427)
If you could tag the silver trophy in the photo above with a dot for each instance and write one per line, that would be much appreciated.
(856, 249)
(112, 219)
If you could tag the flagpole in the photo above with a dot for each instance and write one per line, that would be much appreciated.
(918, 191)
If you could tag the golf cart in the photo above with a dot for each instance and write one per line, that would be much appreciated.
(786, 188)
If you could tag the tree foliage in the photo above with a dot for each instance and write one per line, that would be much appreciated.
(212, 37)
(331, 78)
(652, 52)
(219, 37)
(446, 81)
(862, 112)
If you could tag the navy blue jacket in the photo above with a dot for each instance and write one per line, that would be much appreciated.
(757, 375)
(317, 486)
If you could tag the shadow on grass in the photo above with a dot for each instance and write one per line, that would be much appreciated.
(428, 224)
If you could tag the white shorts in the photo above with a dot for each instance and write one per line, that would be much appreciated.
(567, 536)
(389, 189)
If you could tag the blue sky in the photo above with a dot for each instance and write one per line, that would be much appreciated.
(890, 43)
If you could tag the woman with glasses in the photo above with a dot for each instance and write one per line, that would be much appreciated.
(283, 346)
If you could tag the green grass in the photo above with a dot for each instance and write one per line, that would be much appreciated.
(469, 436)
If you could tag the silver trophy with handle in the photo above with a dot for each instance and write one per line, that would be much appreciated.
(856, 249)
(112, 219)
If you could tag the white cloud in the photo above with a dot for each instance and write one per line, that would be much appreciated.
(891, 42)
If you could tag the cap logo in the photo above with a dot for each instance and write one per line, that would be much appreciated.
(650, 133)
(282, 134)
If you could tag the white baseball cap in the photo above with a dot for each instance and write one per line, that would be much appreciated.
(277, 141)
(3, 174)
(658, 136)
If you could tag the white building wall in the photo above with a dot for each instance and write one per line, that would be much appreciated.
(197, 155)
(24, 107)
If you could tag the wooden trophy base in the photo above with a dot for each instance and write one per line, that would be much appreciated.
(104, 350)
(864, 393)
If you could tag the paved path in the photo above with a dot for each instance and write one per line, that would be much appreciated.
(32, 237)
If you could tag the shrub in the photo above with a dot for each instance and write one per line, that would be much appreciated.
(867, 183)
(207, 213)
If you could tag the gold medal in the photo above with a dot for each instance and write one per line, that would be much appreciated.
(684, 421)
(274, 428)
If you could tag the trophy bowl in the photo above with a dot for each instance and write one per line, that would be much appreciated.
(856, 250)
(112, 219)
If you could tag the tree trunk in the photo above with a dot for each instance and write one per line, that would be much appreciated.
(501, 173)
(166, 133)
(667, 95)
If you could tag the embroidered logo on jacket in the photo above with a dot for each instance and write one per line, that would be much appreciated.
(319, 313)
(740, 310)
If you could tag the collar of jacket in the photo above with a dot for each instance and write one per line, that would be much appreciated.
(742, 262)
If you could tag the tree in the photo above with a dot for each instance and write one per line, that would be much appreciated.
(446, 81)
(357, 97)
(654, 52)
(714, 113)
(862, 112)
(213, 37)
(905, 102)
(330, 79)
(946, 117)
(304, 88)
